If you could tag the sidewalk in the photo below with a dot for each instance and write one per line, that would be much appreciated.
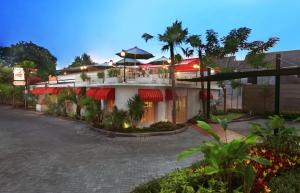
(219, 131)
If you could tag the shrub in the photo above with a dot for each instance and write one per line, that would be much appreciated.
(287, 182)
(116, 120)
(94, 113)
(165, 126)
(84, 76)
(275, 135)
(113, 72)
(100, 75)
(148, 187)
(136, 110)
(227, 159)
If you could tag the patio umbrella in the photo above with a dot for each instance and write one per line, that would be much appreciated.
(160, 61)
(128, 62)
(134, 53)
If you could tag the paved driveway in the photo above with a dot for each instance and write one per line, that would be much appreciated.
(40, 154)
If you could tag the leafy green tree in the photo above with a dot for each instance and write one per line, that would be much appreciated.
(136, 110)
(44, 60)
(83, 60)
(257, 49)
(6, 74)
(173, 36)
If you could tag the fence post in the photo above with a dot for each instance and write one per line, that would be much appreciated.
(208, 94)
(277, 85)
(277, 89)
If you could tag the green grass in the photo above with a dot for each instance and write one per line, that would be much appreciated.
(229, 116)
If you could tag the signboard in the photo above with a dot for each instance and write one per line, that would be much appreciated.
(19, 83)
(19, 74)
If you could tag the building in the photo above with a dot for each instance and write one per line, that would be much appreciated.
(115, 85)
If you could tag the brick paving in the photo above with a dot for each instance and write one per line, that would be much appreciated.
(41, 154)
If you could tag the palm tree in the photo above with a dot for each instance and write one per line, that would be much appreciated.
(173, 36)
(205, 52)
(28, 67)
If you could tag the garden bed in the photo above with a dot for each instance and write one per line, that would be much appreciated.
(159, 128)
(269, 164)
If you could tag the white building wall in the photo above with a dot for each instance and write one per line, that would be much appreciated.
(123, 94)
(193, 103)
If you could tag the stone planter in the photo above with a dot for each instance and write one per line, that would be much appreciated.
(112, 80)
(144, 80)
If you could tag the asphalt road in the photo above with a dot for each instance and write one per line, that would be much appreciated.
(41, 154)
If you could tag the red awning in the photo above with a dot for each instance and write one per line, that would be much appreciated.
(105, 94)
(91, 92)
(188, 65)
(154, 95)
(52, 90)
(205, 95)
(77, 90)
(38, 90)
(169, 94)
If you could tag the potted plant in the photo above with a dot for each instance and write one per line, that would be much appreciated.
(113, 74)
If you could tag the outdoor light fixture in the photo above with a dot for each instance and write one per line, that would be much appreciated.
(169, 61)
(212, 71)
(83, 67)
(65, 73)
(123, 53)
(196, 66)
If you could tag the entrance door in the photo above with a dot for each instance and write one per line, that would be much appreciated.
(149, 113)
(181, 109)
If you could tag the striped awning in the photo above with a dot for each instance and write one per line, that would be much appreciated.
(169, 94)
(105, 94)
(154, 95)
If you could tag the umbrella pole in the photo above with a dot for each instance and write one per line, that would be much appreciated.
(124, 71)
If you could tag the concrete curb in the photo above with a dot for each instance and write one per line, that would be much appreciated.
(146, 134)
(114, 133)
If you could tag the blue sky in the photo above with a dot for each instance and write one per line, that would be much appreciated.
(103, 27)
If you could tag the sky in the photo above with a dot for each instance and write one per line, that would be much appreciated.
(102, 28)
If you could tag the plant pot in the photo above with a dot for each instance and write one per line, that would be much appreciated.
(111, 80)
(144, 80)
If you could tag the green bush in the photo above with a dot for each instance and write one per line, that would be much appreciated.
(136, 108)
(116, 119)
(165, 126)
(287, 182)
(149, 187)
(100, 75)
(113, 72)
(286, 139)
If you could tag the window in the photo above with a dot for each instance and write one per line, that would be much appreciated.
(252, 80)
(181, 109)
(110, 105)
(149, 113)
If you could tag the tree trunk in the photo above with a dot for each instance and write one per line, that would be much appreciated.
(224, 92)
(25, 91)
(202, 82)
(173, 84)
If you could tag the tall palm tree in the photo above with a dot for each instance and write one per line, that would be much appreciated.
(173, 36)
(28, 67)
(196, 43)
(205, 52)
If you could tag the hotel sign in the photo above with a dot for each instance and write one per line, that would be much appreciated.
(19, 74)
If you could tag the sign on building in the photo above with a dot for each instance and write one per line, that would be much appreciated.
(19, 74)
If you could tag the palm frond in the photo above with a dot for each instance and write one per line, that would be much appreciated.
(147, 37)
